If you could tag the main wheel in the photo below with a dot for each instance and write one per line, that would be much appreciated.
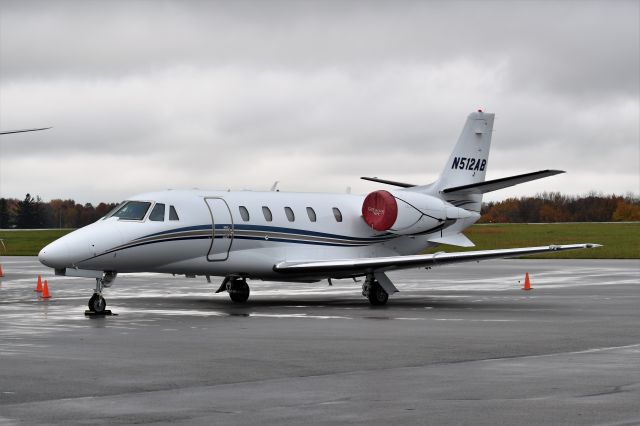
(239, 291)
(377, 296)
(97, 303)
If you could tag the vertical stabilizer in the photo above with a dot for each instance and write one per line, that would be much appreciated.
(468, 162)
(470, 158)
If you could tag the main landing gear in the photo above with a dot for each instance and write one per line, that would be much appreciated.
(372, 290)
(97, 303)
(237, 288)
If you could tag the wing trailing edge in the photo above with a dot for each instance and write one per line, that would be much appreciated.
(361, 266)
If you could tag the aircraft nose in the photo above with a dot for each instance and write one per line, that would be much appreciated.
(55, 255)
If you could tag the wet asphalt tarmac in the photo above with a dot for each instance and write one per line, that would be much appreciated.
(458, 345)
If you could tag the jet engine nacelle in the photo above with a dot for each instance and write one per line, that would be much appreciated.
(406, 212)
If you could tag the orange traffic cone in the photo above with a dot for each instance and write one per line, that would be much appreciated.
(45, 290)
(527, 283)
(39, 286)
(1, 272)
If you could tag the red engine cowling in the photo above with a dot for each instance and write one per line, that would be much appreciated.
(380, 210)
(407, 212)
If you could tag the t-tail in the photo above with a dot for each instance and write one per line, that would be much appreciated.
(461, 184)
(468, 162)
(462, 181)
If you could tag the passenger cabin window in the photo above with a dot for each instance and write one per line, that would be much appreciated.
(244, 213)
(267, 214)
(289, 213)
(337, 214)
(312, 214)
(157, 214)
(133, 210)
(173, 215)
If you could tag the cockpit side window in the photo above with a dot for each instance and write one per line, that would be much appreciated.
(132, 210)
(157, 214)
(112, 211)
(173, 215)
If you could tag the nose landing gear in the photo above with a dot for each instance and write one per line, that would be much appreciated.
(97, 304)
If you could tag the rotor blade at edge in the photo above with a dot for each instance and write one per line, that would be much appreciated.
(366, 265)
(8, 132)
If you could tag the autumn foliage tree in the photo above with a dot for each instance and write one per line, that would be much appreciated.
(546, 207)
(555, 207)
(31, 213)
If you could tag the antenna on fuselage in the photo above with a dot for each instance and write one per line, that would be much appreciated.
(274, 187)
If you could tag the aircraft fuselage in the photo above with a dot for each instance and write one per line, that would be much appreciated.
(211, 236)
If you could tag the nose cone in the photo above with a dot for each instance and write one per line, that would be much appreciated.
(55, 255)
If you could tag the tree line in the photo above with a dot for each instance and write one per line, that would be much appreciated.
(555, 207)
(33, 213)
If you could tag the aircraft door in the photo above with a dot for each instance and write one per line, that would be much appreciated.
(221, 229)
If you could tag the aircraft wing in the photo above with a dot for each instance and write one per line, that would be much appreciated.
(361, 266)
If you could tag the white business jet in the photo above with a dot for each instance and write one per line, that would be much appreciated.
(295, 237)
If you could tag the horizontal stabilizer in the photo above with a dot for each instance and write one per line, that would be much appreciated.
(495, 184)
(389, 182)
(453, 240)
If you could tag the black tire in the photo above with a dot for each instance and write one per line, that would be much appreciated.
(91, 301)
(239, 291)
(377, 295)
(97, 304)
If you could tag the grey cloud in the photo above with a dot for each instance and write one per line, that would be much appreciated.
(572, 46)
(312, 93)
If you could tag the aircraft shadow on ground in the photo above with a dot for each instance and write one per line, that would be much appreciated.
(225, 305)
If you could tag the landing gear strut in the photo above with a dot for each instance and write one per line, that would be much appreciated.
(97, 304)
(372, 290)
(237, 288)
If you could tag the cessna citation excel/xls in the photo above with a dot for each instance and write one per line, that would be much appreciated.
(294, 237)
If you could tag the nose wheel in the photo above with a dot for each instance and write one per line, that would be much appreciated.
(97, 303)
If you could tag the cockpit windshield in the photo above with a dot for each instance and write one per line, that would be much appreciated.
(132, 210)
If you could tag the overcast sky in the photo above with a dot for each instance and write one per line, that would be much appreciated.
(152, 95)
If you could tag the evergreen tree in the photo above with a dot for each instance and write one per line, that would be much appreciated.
(26, 213)
(5, 214)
